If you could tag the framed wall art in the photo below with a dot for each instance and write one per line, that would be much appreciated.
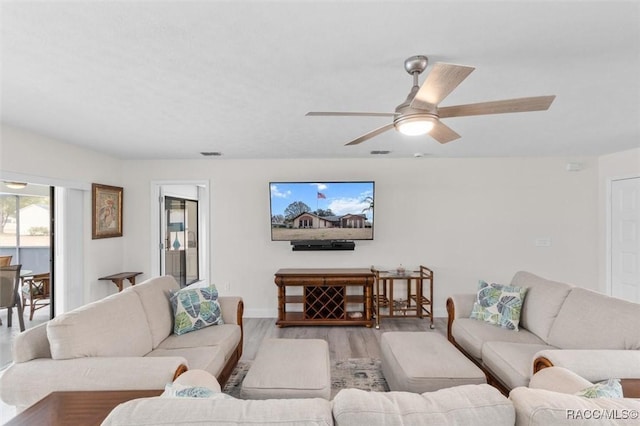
(106, 211)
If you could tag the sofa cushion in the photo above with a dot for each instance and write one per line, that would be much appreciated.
(511, 362)
(542, 303)
(207, 358)
(463, 405)
(499, 304)
(471, 334)
(154, 296)
(540, 407)
(226, 337)
(590, 320)
(113, 326)
(195, 308)
(198, 411)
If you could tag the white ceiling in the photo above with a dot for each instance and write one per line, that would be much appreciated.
(169, 79)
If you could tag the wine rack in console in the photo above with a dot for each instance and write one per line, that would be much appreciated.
(336, 296)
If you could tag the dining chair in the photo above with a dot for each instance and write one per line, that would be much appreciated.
(5, 260)
(9, 292)
(37, 290)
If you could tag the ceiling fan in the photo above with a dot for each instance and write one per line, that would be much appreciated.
(419, 114)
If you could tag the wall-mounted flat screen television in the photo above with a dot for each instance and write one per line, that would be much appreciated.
(322, 210)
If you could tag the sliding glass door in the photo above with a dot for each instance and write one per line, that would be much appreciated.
(26, 234)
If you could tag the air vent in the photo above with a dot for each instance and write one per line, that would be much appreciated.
(376, 152)
(211, 154)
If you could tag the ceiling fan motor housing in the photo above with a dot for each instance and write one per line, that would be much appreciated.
(416, 64)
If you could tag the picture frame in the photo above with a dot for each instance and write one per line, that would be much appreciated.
(106, 211)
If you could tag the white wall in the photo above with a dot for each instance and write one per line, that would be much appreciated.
(623, 164)
(467, 219)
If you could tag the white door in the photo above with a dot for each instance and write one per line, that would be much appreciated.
(625, 239)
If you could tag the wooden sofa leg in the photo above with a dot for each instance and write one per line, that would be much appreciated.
(451, 313)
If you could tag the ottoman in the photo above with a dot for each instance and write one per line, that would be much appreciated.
(289, 368)
(424, 362)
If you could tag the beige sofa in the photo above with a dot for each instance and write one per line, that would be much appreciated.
(549, 401)
(594, 335)
(124, 341)
(478, 405)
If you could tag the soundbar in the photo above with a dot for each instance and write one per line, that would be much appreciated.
(310, 245)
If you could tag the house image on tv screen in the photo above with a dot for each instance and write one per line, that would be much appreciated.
(321, 210)
(310, 220)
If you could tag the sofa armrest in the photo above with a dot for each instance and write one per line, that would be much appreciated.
(458, 306)
(26, 383)
(592, 364)
(558, 379)
(31, 344)
(232, 309)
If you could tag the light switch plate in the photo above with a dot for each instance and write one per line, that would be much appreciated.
(543, 242)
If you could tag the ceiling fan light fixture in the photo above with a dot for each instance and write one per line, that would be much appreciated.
(415, 125)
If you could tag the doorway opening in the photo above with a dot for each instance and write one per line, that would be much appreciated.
(27, 235)
(179, 230)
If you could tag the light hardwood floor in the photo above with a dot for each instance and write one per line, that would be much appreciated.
(344, 342)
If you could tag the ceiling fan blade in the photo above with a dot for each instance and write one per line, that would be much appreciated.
(537, 103)
(443, 133)
(441, 81)
(371, 134)
(350, 114)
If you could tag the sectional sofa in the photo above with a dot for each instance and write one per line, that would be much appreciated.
(550, 401)
(594, 335)
(480, 405)
(122, 342)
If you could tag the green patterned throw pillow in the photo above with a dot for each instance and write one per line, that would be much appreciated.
(195, 308)
(499, 304)
(608, 389)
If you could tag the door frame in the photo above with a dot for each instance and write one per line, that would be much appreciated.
(609, 229)
(204, 265)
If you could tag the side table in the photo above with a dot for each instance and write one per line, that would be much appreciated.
(419, 294)
(118, 279)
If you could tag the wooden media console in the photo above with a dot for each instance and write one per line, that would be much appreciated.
(333, 296)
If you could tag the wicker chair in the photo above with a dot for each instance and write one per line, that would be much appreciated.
(9, 287)
(5, 260)
(37, 291)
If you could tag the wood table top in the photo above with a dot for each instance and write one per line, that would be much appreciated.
(77, 407)
(325, 271)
